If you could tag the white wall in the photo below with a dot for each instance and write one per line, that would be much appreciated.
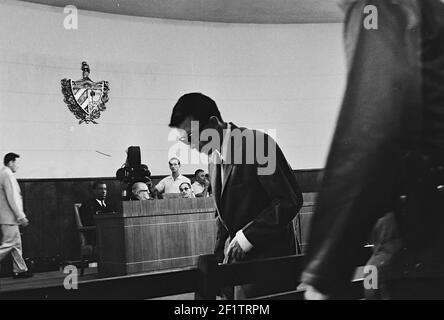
(284, 77)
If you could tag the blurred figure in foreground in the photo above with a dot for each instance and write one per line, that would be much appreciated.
(386, 162)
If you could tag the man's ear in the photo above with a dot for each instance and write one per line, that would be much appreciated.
(215, 122)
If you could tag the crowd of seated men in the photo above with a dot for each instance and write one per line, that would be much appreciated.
(174, 185)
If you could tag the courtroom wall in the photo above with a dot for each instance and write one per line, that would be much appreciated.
(283, 77)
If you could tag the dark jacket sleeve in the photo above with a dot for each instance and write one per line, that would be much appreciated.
(284, 193)
(378, 122)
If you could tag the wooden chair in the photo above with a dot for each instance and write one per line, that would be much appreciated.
(87, 251)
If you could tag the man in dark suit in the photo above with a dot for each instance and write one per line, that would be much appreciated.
(94, 206)
(256, 197)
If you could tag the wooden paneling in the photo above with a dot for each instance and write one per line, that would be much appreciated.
(111, 237)
(49, 206)
(302, 222)
(155, 235)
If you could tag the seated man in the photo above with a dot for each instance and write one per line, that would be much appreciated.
(140, 191)
(201, 187)
(185, 190)
(171, 183)
(94, 206)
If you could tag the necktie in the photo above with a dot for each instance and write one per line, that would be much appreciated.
(217, 188)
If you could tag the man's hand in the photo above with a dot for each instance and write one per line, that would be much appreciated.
(235, 252)
(312, 294)
(23, 222)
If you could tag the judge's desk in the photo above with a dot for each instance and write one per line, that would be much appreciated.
(154, 235)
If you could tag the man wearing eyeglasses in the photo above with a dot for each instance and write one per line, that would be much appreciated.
(186, 191)
(140, 191)
(255, 208)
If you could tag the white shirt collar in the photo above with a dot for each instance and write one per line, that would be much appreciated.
(179, 177)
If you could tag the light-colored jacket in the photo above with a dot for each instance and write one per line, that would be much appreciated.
(11, 203)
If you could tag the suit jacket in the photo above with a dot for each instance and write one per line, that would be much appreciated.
(89, 209)
(11, 203)
(393, 107)
(261, 205)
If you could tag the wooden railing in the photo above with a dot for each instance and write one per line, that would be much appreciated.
(215, 276)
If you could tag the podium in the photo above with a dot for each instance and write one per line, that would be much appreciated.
(154, 235)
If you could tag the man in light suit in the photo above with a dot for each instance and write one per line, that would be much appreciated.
(256, 198)
(12, 216)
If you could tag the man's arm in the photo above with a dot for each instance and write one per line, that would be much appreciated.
(160, 187)
(378, 121)
(14, 197)
(204, 193)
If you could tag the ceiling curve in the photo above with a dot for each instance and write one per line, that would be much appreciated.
(228, 11)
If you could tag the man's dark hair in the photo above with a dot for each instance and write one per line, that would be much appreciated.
(10, 157)
(97, 183)
(197, 172)
(187, 183)
(196, 105)
(174, 158)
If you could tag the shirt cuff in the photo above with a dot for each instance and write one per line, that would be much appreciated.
(243, 241)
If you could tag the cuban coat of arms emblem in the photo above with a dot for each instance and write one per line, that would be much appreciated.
(85, 98)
